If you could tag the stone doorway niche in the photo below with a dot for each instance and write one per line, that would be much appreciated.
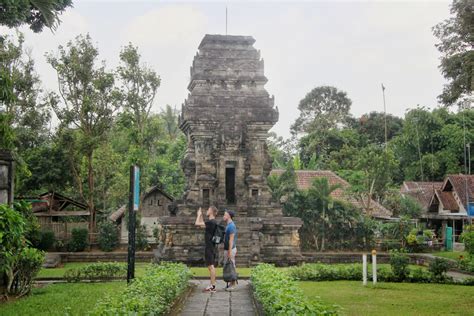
(206, 199)
(230, 182)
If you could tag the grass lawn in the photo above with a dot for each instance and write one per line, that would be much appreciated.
(451, 254)
(394, 298)
(62, 299)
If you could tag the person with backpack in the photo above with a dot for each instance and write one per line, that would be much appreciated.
(211, 241)
(230, 250)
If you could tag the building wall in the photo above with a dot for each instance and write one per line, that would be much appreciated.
(155, 205)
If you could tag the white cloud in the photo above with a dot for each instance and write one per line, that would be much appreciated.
(169, 26)
(167, 38)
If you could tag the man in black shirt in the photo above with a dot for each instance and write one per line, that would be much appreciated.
(210, 248)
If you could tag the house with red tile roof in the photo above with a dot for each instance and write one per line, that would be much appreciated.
(422, 192)
(305, 178)
(445, 203)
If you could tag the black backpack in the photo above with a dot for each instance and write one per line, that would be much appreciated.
(219, 233)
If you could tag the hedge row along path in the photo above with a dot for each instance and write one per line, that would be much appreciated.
(238, 302)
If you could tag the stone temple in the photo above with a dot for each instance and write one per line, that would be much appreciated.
(226, 119)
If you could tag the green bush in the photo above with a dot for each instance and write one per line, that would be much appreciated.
(279, 294)
(78, 240)
(47, 240)
(325, 272)
(141, 240)
(466, 264)
(25, 269)
(353, 272)
(438, 268)
(97, 271)
(152, 294)
(32, 227)
(399, 262)
(469, 281)
(420, 275)
(467, 238)
(108, 236)
(12, 240)
(19, 264)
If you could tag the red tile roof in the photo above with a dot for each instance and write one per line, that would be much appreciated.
(421, 191)
(447, 200)
(460, 183)
(304, 180)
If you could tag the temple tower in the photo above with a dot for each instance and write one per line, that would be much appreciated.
(226, 119)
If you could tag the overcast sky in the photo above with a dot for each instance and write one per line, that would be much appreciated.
(352, 45)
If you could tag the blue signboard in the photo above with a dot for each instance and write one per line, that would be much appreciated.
(136, 188)
(470, 211)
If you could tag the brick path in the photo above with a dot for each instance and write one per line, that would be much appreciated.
(238, 302)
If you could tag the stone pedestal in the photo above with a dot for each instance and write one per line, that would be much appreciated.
(274, 240)
(226, 119)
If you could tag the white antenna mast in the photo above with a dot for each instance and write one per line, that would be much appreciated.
(226, 20)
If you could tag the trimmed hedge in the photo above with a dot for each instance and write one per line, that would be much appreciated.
(280, 295)
(97, 271)
(152, 294)
(353, 272)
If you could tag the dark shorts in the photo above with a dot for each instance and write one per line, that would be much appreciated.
(210, 256)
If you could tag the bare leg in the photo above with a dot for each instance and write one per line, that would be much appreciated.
(212, 273)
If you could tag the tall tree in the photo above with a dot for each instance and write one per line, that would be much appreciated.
(371, 126)
(372, 175)
(456, 36)
(321, 109)
(25, 117)
(36, 13)
(27, 113)
(170, 118)
(89, 101)
(139, 85)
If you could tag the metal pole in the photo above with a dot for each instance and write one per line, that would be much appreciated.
(384, 115)
(469, 157)
(131, 228)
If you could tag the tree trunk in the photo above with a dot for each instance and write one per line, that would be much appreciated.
(91, 194)
(323, 235)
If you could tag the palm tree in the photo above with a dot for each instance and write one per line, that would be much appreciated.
(319, 195)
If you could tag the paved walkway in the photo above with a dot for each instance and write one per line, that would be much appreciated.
(238, 302)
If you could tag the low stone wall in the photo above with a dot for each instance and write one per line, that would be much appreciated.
(140, 256)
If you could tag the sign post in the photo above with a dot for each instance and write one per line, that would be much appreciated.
(133, 205)
(364, 269)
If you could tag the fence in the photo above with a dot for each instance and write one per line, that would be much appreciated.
(62, 231)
